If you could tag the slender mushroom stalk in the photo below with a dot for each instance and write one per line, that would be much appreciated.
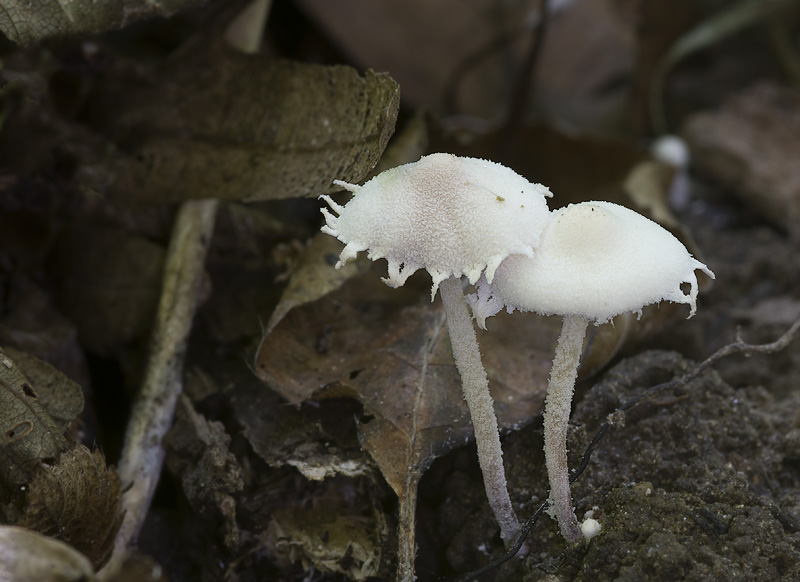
(596, 260)
(556, 420)
(453, 217)
(475, 385)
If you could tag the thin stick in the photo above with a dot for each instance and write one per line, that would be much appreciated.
(151, 417)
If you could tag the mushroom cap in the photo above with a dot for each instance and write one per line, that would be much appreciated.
(596, 260)
(449, 215)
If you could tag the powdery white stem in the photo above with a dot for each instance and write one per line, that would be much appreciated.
(481, 407)
(556, 421)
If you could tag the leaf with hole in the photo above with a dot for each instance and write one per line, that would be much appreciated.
(27, 432)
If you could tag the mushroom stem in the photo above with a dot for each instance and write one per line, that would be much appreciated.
(475, 384)
(556, 420)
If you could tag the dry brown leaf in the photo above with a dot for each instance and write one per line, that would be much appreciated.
(24, 22)
(27, 556)
(232, 126)
(588, 55)
(77, 499)
(782, 310)
(389, 348)
(313, 276)
(27, 433)
(751, 146)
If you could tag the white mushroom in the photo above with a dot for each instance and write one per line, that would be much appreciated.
(453, 217)
(596, 260)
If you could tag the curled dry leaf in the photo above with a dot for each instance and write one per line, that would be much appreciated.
(27, 433)
(76, 499)
(26, 22)
(27, 556)
(647, 185)
(233, 126)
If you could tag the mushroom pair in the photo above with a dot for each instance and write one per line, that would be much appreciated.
(459, 217)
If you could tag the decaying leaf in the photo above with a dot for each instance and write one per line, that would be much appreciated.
(232, 126)
(328, 538)
(390, 349)
(76, 499)
(27, 433)
(24, 22)
(319, 441)
(209, 472)
(751, 146)
(314, 277)
(27, 556)
(60, 397)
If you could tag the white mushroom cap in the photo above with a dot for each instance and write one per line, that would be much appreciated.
(595, 260)
(449, 215)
